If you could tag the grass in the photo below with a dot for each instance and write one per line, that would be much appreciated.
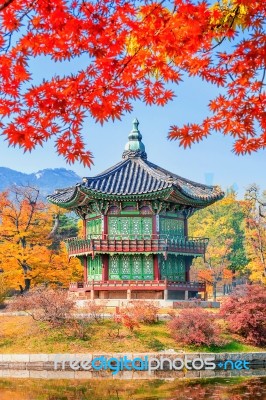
(20, 334)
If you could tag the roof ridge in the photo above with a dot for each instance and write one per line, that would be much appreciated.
(149, 168)
(173, 175)
(112, 169)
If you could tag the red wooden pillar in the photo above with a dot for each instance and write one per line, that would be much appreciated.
(154, 227)
(105, 258)
(188, 262)
(105, 267)
(105, 227)
(85, 262)
(84, 228)
(85, 269)
(155, 235)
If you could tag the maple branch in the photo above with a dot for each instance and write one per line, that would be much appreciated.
(32, 204)
(262, 81)
(230, 26)
(6, 4)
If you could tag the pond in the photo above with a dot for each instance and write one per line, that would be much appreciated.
(253, 388)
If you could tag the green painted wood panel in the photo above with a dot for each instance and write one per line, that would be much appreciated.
(131, 267)
(95, 268)
(171, 227)
(94, 227)
(134, 227)
(173, 268)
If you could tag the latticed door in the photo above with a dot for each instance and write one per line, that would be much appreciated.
(171, 227)
(173, 268)
(131, 267)
(114, 271)
(131, 227)
(125, 270)
(95, 268)
(94, 227)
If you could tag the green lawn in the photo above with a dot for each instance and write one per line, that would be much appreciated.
(20, 334)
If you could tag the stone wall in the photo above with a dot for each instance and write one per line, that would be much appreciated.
(43, 366)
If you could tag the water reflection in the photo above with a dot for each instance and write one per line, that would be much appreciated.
(203, 389)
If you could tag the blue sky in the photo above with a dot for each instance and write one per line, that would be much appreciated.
(210, 161)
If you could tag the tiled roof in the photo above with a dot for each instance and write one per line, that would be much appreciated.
(136, 176)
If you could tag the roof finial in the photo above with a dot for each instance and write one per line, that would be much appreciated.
(134, 146)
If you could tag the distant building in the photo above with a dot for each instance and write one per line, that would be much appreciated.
(135, 243)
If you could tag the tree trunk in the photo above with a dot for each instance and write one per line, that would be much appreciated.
(26, 288)
(214, 286)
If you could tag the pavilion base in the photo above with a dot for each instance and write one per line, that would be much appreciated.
(138, 290)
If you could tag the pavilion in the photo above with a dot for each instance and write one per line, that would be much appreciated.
(135, 242)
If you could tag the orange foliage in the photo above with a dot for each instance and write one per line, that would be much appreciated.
(133, 49)
(26, 255)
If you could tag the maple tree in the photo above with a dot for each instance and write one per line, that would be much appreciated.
(27, 256)
(255, 233)
(195, 326)
(3, 289)
(223, 224)
(245, 312)
(130, 50)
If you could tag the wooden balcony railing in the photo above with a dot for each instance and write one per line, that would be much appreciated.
(137, 285)
(136, 244)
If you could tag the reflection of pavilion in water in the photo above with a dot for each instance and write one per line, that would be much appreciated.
(135, 242)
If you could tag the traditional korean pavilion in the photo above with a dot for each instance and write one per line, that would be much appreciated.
(135, 243)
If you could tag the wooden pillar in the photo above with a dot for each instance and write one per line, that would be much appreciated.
(188, 261)
(84, 228)
(156, 271)
(105, 227)
(154, 227)
(85, 269)
(105, 270)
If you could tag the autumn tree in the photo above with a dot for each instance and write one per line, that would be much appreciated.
(3, 289)
(255, 233)
(245, 313)
(130, 50)
(223, 224)
(26, 253)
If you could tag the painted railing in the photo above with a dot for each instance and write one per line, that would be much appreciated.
(137, 285)
(136, 244)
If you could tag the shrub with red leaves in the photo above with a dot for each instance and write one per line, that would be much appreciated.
(145, 311)
(45, 304)
(245, 313)
(195, 326)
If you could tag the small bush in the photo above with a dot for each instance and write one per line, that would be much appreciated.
(79, 328)
(145, 311)
(137, 312)
(245, 313)
(127, 317)
(115, 327)
(195, 326)
(96, 311)
(45, 304)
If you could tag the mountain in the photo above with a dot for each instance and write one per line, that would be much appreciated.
(47, 180)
